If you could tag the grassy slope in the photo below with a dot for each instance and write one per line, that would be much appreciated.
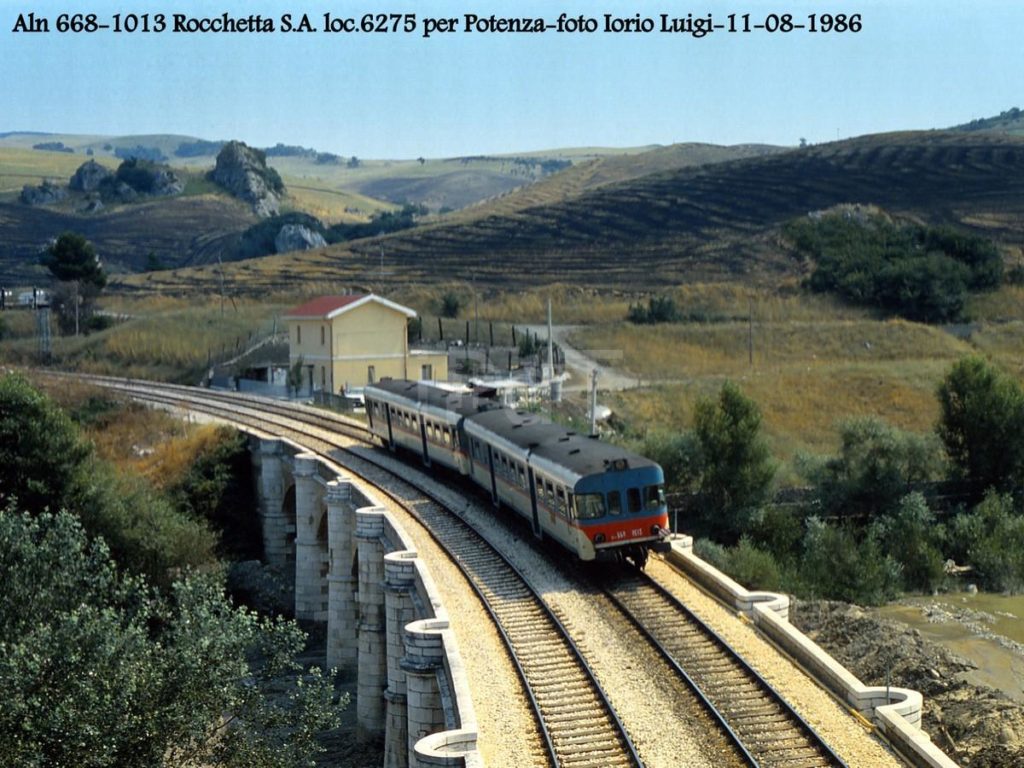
(706, 223)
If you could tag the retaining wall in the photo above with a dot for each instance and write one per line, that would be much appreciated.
(896, 712)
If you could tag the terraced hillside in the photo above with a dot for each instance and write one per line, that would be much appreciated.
(179, 232)
(707, 223)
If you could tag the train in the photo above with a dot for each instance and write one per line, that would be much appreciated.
(596, 500)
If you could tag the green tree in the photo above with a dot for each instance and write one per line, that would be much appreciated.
(44, 464)
(875, 465)
(40, 451)
(991, 539)
(911, 537)
(72, 258)
(738, 470)
(98, 670)
(981, 424)
(679, 455)
(838, 564)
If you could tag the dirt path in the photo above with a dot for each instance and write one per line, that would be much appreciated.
(581, 363)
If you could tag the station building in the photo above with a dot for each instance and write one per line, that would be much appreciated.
(343, 343)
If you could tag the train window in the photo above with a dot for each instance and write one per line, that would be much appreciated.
(589, 506)
(446, 436)
(522, 476)
(633, 497)
(569, 505)
(614, 503)
(549, 491)
(561, 500)
(504, 465)
(654, 496)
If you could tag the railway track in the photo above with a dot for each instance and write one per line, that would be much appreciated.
(577, 722)
(763, 725)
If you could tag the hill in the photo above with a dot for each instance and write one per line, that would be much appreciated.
(178, 231)
(1011, 121)
(704, 223)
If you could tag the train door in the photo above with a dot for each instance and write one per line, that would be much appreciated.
(494, 480)
(423, 440)
(391, 432)
(531, 481)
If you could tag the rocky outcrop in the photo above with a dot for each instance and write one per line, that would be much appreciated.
(90, 177)
(243, 172)
(46, 193)
(166, 183)
(295, 237)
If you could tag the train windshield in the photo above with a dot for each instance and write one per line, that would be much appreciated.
(589, 506)
(654, 496)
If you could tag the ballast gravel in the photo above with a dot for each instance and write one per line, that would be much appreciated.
(661, 717)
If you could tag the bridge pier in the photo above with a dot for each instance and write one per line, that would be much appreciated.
(424, 658)
(400, 609)
(342, 609)
(372, 677)
(269, 460)
(310, 551)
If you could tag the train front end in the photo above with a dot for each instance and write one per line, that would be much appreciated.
(622, 511)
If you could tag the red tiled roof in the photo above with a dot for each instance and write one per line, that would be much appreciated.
(323, 306)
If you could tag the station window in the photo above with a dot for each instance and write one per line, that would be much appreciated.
(633, 497)
(614, 503)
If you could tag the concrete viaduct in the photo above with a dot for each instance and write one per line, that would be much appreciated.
(356, 571)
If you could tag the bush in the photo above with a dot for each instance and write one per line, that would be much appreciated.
(875, 465)
(991, 538)
(837, 565)
(917, 272)
(737, 469)
(911, 537)
(98, 670)
(754, 567)
(451, 305)
(680, 457)
(981, 424)
(659, 309)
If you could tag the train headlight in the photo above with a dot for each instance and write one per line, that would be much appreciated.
(657, 530)
(599, 538)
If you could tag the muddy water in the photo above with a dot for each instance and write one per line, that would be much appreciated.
(981, 628)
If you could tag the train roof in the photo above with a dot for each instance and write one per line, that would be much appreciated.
(580, 454)
(463, 402)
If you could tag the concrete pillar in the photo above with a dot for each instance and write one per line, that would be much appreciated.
(399, 610)
(372, 676)
(424, 659)
(342, 610)
(310, 583)
(270, 487)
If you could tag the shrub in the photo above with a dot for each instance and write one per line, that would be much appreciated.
(680, 457)
(838, 565)
(875, 465)
(981, 424)
(659, 309)
(911, 537)
(754, 567)
(451, 305)
(98, 670)
(737, 469)
(991, 537)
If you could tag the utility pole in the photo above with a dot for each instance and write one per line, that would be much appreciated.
(551, 359)
(593, 402)
(750, 333)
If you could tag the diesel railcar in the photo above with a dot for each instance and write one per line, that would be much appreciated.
(595, 499)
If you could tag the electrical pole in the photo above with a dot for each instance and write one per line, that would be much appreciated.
(593, 402)
(551, 359)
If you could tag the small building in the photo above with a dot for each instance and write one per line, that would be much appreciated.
(343, 343)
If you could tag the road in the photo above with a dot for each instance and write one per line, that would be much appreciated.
(581, 363)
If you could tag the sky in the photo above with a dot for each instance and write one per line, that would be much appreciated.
(914, 64)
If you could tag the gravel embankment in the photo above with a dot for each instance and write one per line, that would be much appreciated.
(976, 726)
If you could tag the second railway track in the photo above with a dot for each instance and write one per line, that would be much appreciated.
(580, 725)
